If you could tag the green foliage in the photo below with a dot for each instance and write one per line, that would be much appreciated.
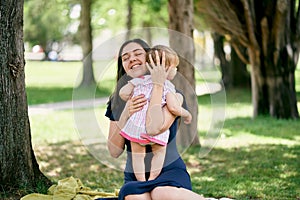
(46, 21)
(113, 14)
(108, 15)
(156, 5)
(199, 21)
(150, 13)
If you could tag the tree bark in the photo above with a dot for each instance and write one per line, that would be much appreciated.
(86, 44)
(240, 75)
(181, 39)
(18, 165)
(219, 53)
(129, 19)
(275, 65)
(233, 69)
(270, 31)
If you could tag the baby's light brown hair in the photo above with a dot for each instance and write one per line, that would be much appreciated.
(170, 55)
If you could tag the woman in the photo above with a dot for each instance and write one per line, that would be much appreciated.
(173, 181)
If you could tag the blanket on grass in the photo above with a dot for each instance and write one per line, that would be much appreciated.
(70, 189)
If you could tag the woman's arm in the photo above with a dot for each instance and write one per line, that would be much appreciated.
(158, 119)
(116, 143)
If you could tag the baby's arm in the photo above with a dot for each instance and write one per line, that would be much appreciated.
(174, 102)
(126, 91)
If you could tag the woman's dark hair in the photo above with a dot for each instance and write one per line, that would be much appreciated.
(122, 78)
(121, 72)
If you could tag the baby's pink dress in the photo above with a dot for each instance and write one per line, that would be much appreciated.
(135, 128)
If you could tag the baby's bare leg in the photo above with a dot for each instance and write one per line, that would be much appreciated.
(159, 153)
(138, 154)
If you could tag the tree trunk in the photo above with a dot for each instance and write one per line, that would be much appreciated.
(240, 75)
(274, 94)
(260, 104)
(18, 165)
(129, 19)
(181, 40)
(275, 64)
(86, 44)
(270, 30)
(219, 53)
(147, 32)
(233, 69)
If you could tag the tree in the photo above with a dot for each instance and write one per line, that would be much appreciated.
(270, 30)
(86, 44)
(181, 20)
(47, 22)
(18, 165)
(155, 17)
(234, 71)
(129, 19)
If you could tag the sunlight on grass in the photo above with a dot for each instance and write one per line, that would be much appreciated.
(53, 127)
(48, 82)
(245, 139)
(248, 155)
(252, 158)
(51, 74)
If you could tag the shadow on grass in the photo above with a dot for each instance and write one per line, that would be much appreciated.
(60, 160)
(241, 96)
(264, 126)
(253, 172)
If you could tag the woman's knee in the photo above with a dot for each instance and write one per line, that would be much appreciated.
(145, 196)
(161, 192)
(174, 193)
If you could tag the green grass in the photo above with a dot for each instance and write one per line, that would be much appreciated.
(257, 171)
(48, 82)
(252, 158)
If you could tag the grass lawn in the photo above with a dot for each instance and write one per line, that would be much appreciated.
(252, 158)
(48, 82)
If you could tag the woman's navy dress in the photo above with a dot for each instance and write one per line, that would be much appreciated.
(174, 172)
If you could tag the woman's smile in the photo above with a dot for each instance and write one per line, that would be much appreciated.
(134, 59)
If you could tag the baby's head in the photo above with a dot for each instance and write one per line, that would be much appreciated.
(172, 59)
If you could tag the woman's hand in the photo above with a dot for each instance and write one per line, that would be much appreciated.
(158, 70)
(136, 104)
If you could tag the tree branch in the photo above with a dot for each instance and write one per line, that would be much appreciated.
(265, 35)
(250, 24)
(278, 26)
(223, 19)
(297, 31)
(239, 53)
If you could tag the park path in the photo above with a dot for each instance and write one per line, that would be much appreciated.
(202, 89)
(66, 105)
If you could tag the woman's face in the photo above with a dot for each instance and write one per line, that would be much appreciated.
(134, 60)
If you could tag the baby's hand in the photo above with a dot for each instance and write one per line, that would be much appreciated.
(188, 119)
(158, 70)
